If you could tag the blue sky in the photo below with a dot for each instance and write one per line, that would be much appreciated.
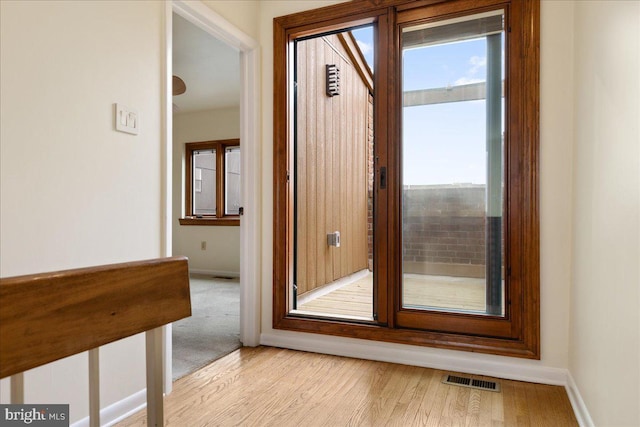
(442, 143)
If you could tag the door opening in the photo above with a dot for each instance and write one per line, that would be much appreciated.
(206, 19)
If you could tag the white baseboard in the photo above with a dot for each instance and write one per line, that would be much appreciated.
(416, 356)
(119, 410)
(579, 408)
(233, 274)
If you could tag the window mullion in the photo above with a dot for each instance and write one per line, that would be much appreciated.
(219, 180)
(188, 181)
(493, 254)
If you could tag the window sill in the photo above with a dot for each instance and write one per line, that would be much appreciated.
(191, 220)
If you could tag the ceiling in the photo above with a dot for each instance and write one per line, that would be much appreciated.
(209, 68)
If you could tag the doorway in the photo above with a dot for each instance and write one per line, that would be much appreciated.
(249, 241)
(206, 107)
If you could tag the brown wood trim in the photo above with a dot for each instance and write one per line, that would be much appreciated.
(356, 56)
(429, 338)
(521, 321)
(282, 217)
(228, 220)
(219, 146)
(520, 329)
(220, 178)
(48, 316)
(330, 13)
(448, 9)
(458, 323)
(381, 111)
(528, 30)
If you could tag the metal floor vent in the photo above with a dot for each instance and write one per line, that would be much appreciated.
(471, 383)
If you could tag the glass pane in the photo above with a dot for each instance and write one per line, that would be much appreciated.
(232, 181)
(333, 273)
(204, 182)
(452, 165)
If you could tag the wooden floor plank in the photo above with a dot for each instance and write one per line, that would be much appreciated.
(405, 411)
(485, 410)
(324, 401)
(268, 386)
(439, 394)
(369, 389)
(391, 395)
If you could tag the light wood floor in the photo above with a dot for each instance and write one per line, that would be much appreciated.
(267, 386)
(441, 292)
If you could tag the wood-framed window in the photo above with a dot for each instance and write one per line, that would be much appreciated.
(212, 183)
(361, 154)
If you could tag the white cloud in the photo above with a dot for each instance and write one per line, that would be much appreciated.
(476, 62)
(364, 47)
(466, 81)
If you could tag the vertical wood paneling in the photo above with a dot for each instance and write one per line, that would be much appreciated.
(323, 144)
(332, 170)
(331, 166)
(316, 167)
(339, 172)
(309, 168)
(301, 155)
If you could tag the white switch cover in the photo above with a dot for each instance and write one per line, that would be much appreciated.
(127, 119)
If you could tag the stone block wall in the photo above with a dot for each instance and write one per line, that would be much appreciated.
(444, 224)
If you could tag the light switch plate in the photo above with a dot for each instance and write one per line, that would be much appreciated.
(127, 119)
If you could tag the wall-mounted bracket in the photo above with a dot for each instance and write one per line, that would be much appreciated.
(333, 239)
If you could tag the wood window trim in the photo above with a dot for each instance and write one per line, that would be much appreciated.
(523, 200)
(220, 219)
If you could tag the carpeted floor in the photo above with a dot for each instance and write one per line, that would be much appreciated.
(213, 330)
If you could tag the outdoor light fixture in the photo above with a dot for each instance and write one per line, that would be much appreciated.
(333, 239)
(333, 80)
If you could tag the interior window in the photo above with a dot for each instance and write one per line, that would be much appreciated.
(212, 183)
(203, 196)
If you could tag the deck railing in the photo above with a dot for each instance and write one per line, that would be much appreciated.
(48, 316)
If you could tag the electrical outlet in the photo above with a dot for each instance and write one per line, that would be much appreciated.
(203, 245)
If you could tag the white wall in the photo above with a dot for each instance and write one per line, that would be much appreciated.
(605, 304)
(242, 14)
(222, 255)
(73, 192)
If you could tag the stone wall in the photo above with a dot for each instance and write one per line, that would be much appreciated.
(444, 228)
(444, 225)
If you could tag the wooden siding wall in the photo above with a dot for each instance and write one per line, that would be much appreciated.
(331, 166)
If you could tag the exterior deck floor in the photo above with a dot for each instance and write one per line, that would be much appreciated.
(355, 299)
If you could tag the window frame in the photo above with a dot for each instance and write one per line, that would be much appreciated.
(220, 218)
(523, 307)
